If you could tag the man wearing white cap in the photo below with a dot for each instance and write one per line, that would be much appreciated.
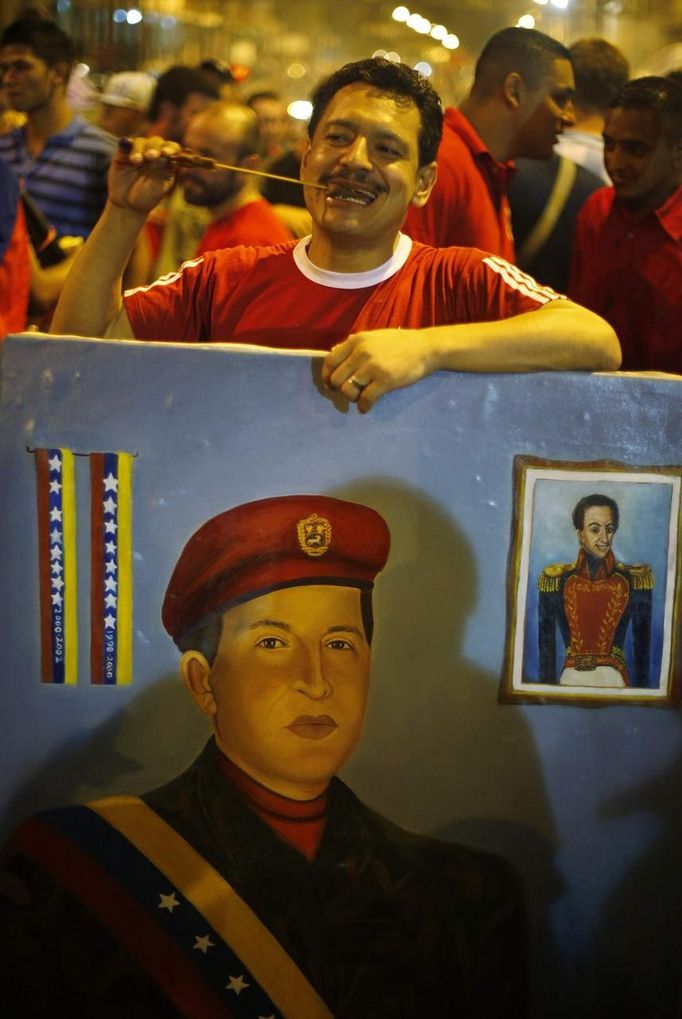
(125, 103)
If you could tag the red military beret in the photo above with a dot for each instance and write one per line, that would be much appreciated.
(269, 544)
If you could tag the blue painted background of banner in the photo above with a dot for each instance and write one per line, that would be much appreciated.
(584, 801)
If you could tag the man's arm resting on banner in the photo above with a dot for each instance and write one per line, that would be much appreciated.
(91, 304)
(560, 336)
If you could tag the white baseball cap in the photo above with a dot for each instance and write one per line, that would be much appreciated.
(130, 89)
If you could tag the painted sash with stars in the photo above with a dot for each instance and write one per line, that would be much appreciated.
(183, 922)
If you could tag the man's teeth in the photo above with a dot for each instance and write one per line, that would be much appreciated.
(346, 193)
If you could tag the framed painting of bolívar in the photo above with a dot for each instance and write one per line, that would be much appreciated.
(593, 584)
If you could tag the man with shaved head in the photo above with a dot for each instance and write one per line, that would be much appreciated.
(520, 103)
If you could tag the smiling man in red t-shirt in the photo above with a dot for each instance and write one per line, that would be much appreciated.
(389, 311)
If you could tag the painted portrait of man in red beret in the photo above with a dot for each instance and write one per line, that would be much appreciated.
(256, 883)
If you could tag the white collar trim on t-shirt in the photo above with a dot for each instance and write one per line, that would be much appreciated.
(352, 280)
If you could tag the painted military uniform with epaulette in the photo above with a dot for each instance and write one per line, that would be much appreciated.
(593, 604)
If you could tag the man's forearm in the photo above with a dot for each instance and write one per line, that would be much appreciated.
(561, 336)
(91, 296)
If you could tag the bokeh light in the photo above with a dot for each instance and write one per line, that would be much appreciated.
(300, 109)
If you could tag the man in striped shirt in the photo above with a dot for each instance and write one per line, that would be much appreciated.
(389, 311)
(61, 159)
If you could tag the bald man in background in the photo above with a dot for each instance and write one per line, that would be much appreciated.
(229, 133)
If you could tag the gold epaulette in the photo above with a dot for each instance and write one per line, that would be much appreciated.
(550, 578)
(641, 575)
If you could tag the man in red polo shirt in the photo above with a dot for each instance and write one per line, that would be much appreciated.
(627, 262)
(521, 101)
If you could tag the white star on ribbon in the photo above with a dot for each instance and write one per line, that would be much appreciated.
(168, 902)
(57, 583)
(55, 486)
(55, 514)
(109, 584)
(110, 601)
(237, 984)
(110, 567)
(57, 600)
(110, 622)
(54, 463)
(110, 548)
(110, 483)
(109, 506)
(203, 944)
(55, 534)
(110, 526)
(57, 568)
(55, 552)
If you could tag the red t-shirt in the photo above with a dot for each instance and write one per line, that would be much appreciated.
(468, 206)
(276, 297)
(15, 264)
(254, 223)
(629, 271)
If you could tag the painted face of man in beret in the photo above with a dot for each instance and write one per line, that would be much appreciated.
(288, 688)
(290, 579)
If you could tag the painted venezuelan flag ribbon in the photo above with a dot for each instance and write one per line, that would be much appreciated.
(111, 577)
(57, 565)
(184, 923)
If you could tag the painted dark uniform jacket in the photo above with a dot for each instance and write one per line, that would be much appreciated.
(384, 924)
(592, 603)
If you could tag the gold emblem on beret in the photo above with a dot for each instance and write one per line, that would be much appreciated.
(314, 535)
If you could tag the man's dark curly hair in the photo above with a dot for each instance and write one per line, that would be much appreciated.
(662, 96)
(44, 37)
(402, 83)
(580, 508)
(177, 83)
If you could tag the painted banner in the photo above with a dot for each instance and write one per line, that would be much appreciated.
(57, 565)
(111, 588)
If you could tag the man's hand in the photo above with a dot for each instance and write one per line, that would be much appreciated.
(369, 364)
(141, 173)
(559, 336)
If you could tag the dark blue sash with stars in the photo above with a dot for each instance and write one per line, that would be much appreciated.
(182, 921)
